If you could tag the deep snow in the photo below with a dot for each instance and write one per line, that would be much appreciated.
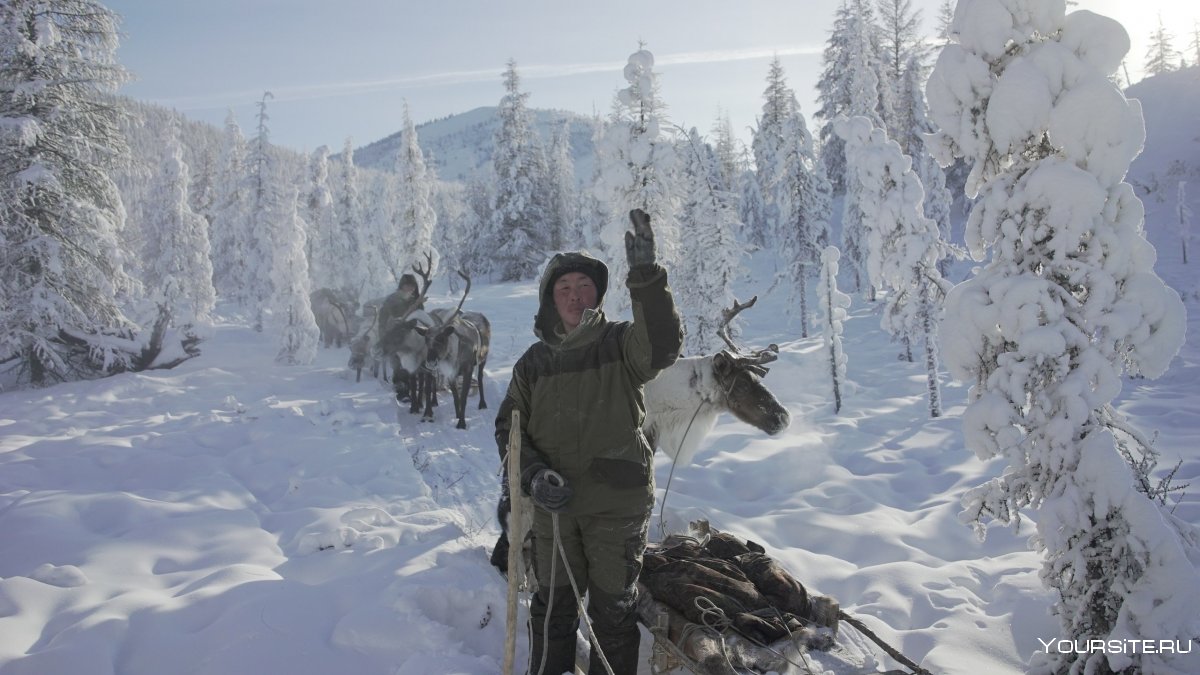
(235, 516)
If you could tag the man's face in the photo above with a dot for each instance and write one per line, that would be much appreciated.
(408, 290)
(573, 293)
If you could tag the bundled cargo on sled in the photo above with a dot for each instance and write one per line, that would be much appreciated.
(719, 605)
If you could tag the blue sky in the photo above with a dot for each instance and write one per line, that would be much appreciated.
(345, 68)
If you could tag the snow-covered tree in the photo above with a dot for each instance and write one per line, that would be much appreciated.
(945, 20)
(384, 258)
(903, 49)
(752, 210)
(1184, 213)
(561, 192)
(229, 233)
(833, 304)
(904, 245)
(710, 254)
(323, 250)
(779, 105)
(915, 118)
(639, 168)
(349, 239)
(1161, 55)
(1066, 302)
(801, 198)
(480, 196)
(263, 197)
(290, 319)
(593, 207)
(177, 264)
(729, 158)
(415, 219)
(61, 273)
(519, 239)
(1195, 45)
(851, 83)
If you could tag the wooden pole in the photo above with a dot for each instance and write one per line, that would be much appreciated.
(515, 530)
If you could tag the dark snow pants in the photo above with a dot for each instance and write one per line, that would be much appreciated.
(605, 557)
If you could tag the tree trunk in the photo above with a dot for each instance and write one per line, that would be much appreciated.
(931, 365)
(803, 281)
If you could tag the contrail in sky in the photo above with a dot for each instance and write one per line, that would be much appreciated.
(543, 71)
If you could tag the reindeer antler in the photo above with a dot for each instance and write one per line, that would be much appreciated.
(458, 310)
(426, 281)
(727, 316)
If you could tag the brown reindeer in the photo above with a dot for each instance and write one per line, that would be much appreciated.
(402, 346)
(454, 347)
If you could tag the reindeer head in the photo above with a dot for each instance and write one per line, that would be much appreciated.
(438, 345)
(740, 378)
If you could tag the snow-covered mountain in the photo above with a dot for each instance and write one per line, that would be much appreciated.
(460, 145)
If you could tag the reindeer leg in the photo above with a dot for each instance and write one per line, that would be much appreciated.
(430, 393)
(479, 379)
(460, 396)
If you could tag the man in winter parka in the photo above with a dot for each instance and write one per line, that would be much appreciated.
(584, 459)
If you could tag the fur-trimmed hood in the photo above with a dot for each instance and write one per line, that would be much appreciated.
(546, 321)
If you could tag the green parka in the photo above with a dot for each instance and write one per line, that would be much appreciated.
(580, 394)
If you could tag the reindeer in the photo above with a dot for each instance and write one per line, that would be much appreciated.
(684, 401)
(334, 312)
(455, 346)
(402, 345)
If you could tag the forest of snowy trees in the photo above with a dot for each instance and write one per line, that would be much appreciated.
(123, 223)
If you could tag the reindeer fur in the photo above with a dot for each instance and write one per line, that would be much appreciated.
(685, 395)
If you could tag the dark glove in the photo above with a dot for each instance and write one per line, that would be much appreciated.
(550, 491)
(639, 244)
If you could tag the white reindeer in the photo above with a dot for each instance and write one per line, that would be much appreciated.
(683, 403)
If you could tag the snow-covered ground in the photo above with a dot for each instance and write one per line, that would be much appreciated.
(233, 516)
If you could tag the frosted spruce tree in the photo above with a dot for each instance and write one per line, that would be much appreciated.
(767, 148)
(833, 304)
(914, 115)
(349, 238)
(729, 156)
(562, 232)
(902, 49)
(414, 218)
(178, 268)
(290, 320)
(801, 195)
(519, 240)
(323, 249)
(593, 200)
(852, 82)
(904, 246)
(263, 196)
(61, 273)
(710, 253)
(1161, 55)
(639, 169)
(1066, 302)
(230, 231)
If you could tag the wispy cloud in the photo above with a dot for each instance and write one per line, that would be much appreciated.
(218, 100)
